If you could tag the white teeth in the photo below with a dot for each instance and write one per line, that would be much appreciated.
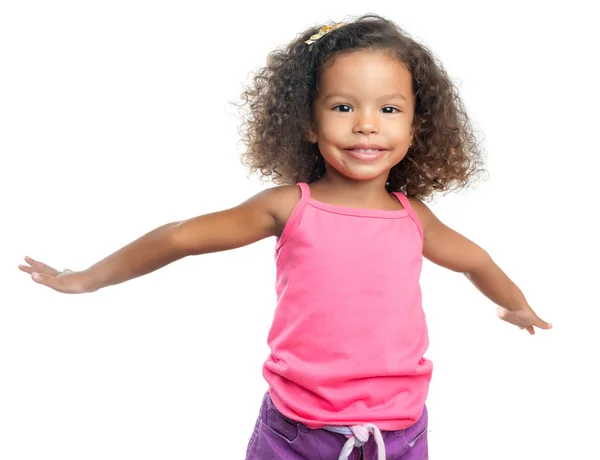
(366, 151)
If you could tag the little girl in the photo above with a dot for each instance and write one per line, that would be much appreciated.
(357, 124)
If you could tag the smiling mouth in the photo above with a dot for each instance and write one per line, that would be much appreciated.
(365, 154)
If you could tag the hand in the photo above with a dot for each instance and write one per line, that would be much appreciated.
(67, 281)
(524, 317)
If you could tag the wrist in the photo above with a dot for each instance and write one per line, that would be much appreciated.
(89, 283)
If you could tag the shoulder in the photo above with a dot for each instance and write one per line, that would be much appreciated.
(423, 212)
(280, 197)
(418, 205)
(279, 202)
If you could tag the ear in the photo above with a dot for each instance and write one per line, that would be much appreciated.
(413, 131)
(312, 136)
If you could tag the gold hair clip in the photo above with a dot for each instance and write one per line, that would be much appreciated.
(323, 31)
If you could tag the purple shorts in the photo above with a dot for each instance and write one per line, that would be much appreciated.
(276, 437)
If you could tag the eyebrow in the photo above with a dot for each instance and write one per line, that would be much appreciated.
(385, 96)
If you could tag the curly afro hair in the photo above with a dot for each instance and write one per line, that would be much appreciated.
(445, 154)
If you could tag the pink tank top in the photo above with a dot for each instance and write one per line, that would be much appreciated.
(349, 332)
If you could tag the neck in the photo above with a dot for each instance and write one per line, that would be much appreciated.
(357, 190)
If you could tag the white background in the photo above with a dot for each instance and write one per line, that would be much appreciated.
(115, 118)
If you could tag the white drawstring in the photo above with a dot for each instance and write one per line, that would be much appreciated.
(359, 436)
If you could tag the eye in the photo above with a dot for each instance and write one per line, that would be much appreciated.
(342, 108)
(390, 110)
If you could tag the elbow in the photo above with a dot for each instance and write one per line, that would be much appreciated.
(178, 241)
(479, 264)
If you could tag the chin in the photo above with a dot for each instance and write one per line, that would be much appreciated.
(359, 170)
(363, 173)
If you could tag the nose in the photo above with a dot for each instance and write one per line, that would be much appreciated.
(366, 123)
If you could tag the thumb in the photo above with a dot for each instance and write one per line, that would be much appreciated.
(40, 278)
(67, 282)
(541, 323)
(64, 285)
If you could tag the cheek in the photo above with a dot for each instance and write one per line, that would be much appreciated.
(334, 126)
(400, 133)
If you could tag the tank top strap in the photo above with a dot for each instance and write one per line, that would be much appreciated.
(305, 190)
(296, 215)
(411, 212)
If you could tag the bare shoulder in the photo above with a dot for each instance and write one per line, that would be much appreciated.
(423, 212)
(279, 202)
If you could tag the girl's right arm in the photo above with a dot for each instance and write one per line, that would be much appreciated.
(261, 216)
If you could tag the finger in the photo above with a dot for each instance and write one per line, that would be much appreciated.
(29, 260)
(71, 284)
(26, 269)
(542, 324)
(46, 280)
(39, 277)
(46, 268)
(530, 330)
(41, 267)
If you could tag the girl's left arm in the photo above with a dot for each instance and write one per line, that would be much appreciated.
(448, 248)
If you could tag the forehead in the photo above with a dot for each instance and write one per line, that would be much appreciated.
(366, 73)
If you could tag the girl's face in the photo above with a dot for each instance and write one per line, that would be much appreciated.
(363, 115)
